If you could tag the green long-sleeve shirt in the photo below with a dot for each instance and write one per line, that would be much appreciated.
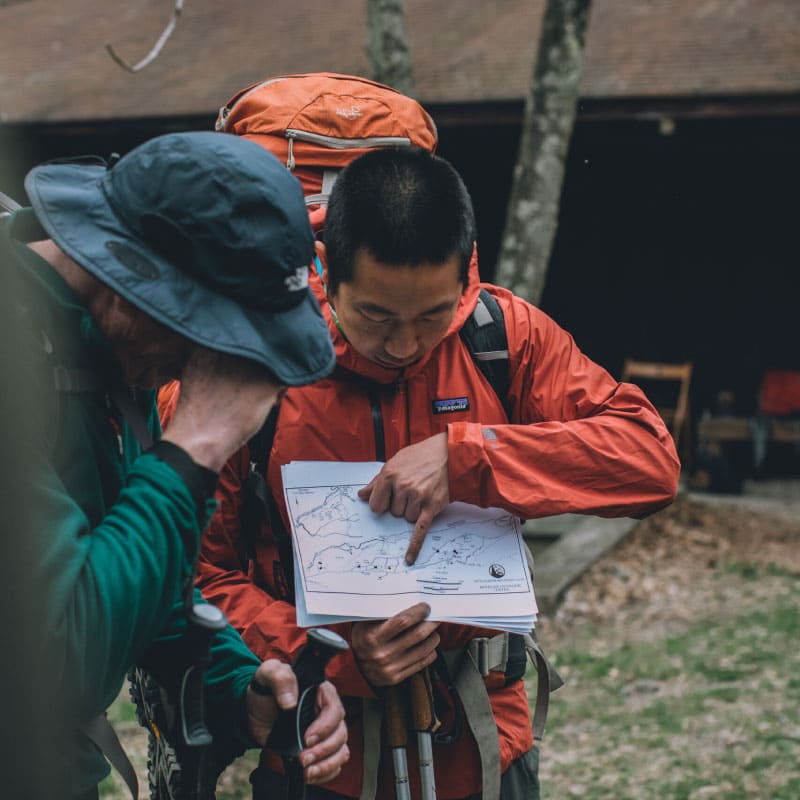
(115, 529)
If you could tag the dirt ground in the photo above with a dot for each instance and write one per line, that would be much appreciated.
(680, 653)
(653, 582)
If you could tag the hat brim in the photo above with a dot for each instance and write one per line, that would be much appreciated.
(294, 344)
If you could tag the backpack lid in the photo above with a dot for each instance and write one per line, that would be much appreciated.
(325, 120)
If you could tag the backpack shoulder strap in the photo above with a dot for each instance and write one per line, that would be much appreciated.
(484, 334)
(258, 505)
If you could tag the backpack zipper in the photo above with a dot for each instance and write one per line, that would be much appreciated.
(225, 111)
(335, 143)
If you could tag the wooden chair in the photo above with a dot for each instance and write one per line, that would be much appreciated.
(676, 416)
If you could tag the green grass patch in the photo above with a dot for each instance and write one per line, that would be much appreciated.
(122, 711)
(712, 712)
(667, 716)
(747, 571)
(777, 571)
(726, 695)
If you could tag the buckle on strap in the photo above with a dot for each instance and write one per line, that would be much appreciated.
(489, 654)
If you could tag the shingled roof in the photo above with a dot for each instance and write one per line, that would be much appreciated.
(54, 66)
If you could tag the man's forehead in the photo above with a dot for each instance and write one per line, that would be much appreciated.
(369, 272)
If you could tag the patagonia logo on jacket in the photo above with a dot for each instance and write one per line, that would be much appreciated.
(450, 404)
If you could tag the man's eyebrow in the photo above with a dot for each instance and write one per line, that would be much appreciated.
(443, 306)
(374, 308)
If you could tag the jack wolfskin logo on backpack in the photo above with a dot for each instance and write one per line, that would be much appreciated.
(451, 404)
(354, 112)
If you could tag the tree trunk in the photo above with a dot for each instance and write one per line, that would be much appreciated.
(550, 107)
(387, 45)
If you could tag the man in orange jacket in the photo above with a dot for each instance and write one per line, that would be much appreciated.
(398, 283)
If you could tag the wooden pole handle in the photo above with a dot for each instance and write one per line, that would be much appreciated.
(395, 716)
(423, 714)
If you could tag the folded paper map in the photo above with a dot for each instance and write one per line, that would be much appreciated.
(349, 563)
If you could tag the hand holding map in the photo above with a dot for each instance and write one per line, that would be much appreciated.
(412, 484)
(350, 563)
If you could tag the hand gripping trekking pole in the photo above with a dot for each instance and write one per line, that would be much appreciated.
(424, 723)
(286, 738)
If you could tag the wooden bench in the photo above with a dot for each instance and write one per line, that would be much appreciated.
(759, 431)
(741, 429)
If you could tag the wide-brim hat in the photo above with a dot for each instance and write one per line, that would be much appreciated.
(205, 232)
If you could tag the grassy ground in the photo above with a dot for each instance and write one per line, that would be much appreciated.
(709, 712)
(681, 650)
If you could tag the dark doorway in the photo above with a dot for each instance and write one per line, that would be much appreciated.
(676, 247)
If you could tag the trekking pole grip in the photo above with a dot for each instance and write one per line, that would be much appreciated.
(286, 737)
(395, 703)
(204, 621)
(424, 721)
(422, 710)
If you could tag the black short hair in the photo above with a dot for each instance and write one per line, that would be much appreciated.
(405, 206)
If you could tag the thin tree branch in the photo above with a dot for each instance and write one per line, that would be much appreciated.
(153, 54)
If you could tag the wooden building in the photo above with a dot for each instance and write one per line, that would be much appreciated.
(677, 236)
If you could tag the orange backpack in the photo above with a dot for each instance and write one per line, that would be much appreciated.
(319, 122)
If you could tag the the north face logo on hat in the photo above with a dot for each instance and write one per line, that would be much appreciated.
(298, 281)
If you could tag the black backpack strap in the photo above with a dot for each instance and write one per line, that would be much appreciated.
(99, 730)
(259, 506)
(255, 491)
(484, 334)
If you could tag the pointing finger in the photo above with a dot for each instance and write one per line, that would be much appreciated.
(418, 536)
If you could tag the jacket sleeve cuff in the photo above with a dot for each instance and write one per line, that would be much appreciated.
(466, 460)
(201, 481)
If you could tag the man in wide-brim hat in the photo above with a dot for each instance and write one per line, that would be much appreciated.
(186, 258)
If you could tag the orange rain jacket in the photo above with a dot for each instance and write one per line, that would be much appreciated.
(578, 441)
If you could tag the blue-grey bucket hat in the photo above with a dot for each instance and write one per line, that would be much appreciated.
(207, 233)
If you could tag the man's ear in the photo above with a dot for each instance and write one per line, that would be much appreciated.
(322, 258)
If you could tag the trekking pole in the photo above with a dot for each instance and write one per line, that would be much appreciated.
(8, 205)
(397, 736)
(286, 737)
(204, 621)
(424, 723)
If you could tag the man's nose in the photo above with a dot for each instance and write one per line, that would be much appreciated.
(402, 342)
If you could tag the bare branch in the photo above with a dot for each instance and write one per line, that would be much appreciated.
(153, 54)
